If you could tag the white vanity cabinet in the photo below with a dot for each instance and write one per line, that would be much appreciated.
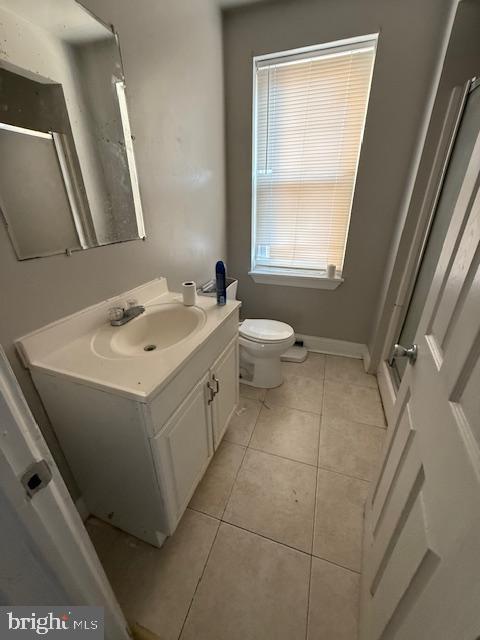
(224, 387)
(182, 451)
(186, 443)
(137, 459)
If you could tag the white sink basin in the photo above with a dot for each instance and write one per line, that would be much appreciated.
(160, 327)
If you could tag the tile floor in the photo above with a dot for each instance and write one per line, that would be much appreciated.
(270, 546)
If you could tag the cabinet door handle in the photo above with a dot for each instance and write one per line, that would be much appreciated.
(217, 384)
(211, 391)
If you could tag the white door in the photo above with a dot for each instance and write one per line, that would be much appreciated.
(47, 556)
(182, 451)
(421, 577)
(225, 385)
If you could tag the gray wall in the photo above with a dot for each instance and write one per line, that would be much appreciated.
(172, 54)
(411, 33)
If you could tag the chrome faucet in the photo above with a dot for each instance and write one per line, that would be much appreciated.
(119, 316)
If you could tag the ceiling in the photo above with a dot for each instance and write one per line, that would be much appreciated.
(65, 19)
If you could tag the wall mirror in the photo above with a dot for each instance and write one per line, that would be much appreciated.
(67, 170)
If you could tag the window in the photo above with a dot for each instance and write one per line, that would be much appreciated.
(309, 114)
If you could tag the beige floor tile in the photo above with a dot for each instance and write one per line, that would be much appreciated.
(274, 497)
(243, 421)
(350, 447)
(349, 370)
(106, 540)
(252, 589)
(252, 392)
(287, 432)
(339, 519)
(313, 367)
(103, 536)
(353, 402)
(157, 585)
(214, 490)
(297, 392)
(334, 602)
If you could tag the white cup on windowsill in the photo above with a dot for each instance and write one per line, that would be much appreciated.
(331, 271)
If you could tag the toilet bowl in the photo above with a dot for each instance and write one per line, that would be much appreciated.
(262, 343)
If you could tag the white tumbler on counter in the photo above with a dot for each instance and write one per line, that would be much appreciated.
(189, 290)
(331, 271)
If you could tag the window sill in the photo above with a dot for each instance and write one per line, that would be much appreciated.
(296, 280)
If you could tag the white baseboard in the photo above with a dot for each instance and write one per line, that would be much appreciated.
(82, 508)
(367, 360)
(335, 347)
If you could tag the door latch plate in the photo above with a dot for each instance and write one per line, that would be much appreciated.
(36, 477)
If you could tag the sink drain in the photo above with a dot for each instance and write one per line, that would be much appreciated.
(150, 347)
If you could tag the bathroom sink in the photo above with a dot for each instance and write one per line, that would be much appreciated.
(160, 327)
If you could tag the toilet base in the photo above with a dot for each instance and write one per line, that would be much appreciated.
(260, 364)
(267, 374)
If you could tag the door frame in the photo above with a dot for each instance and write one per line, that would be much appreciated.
(61, 537)
(451, 122)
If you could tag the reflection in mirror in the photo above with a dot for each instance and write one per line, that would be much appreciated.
(67, 174)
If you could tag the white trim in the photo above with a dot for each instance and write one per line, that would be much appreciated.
(69, 188)
(26, 132)
(127, 134)
(367, 361)
(298, 54)
(334, 347)
(253, 209)
(295, 280)
(387, 389)
(347, 42)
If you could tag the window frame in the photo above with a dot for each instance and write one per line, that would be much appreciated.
(297, 277)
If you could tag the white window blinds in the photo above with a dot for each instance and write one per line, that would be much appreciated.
(309, 115)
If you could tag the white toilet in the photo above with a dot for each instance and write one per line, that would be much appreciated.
(262, 343)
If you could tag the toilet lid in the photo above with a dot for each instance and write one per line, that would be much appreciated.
(265, 330)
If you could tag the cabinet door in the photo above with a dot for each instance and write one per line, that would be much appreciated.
(224, 379)
(182, 451)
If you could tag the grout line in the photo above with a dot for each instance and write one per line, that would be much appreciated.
(287, 406)
(277, 455)
(274, 405)
(342, 473)
(313, 523)
(239, 467)
(199, 580)
(364, 424)
(204, 513)
(353, 384)
(219, 520)
(314, 518)
(265, 537)
(336, 564)
(308, 597)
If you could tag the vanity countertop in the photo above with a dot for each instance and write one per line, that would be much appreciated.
(65, 347)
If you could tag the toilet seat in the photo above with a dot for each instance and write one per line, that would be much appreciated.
(266, 331)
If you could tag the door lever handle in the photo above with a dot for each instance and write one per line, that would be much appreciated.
(398, 351)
